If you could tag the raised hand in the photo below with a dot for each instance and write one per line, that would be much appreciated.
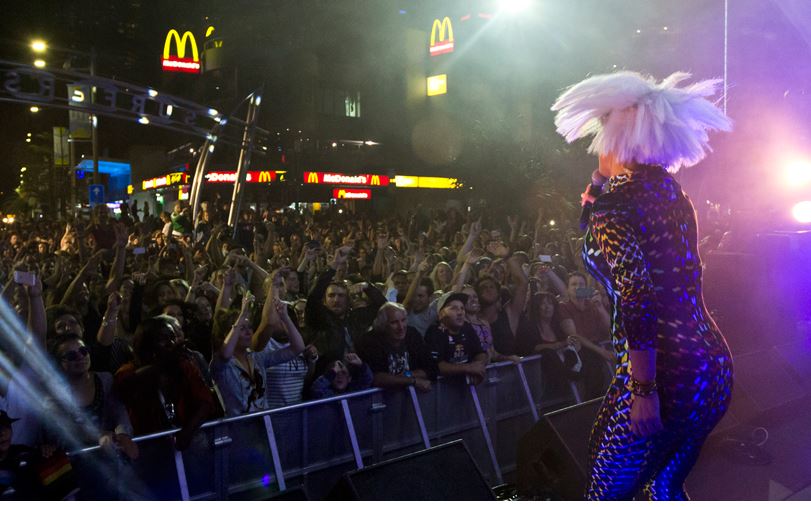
(281, 310)
(121, 237)
(476, 228)
(498, 249)
(353, 359)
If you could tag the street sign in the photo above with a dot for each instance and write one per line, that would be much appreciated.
(96, 194)
(61, 146)
(80, 122)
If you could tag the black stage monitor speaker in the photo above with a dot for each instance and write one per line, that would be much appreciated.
(289, 495)
(553, 456)
(444, 472)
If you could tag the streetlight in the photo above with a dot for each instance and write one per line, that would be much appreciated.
(39, 63)
(39, 45)
(34, 109)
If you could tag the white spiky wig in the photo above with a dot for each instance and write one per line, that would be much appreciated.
(639, 120)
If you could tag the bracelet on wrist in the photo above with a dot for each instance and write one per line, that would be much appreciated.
(643, 389)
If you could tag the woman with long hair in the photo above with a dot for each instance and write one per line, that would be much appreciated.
(163, 387)
(563, 359)
(101, 417)
(442, 276)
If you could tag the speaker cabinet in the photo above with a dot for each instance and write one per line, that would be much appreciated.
(553, 455)
(289, 495)
(444, 472)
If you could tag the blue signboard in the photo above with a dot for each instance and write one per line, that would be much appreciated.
(96, 194)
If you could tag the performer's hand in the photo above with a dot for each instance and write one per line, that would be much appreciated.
(586, 196)
(646, 418)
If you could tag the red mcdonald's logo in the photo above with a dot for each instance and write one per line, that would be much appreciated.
(441, 46)
(377, 180)
(250, 176)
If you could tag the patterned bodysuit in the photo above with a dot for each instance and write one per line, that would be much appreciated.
(642, 246)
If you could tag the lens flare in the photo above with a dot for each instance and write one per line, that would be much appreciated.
(797, 173)
(802, 212)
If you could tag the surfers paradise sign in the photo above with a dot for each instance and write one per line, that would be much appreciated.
(69, 90)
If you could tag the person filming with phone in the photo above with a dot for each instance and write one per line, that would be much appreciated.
(586, 324)
(583, 315)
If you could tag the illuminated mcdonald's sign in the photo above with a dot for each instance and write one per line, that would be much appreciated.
(165, 181)
(250, 176)
(402, 181)
(442, 45)
(180, 63)
(352, 193)
(373, 180)
(436, 85)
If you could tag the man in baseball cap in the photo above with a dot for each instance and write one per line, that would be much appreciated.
(18, 480)
(453, 342)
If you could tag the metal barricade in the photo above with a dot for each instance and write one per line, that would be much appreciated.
(254, 455)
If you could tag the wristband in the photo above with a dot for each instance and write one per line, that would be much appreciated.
(643, 389)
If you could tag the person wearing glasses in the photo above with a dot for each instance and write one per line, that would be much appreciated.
(241, 373)
(101, 417)
(92, 414)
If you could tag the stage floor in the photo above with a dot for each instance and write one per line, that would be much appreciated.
(788, 477)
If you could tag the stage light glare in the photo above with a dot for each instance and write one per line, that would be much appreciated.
(802, 212)
(514, 6)
(798, 172)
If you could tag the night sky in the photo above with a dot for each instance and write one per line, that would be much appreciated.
(537, 52)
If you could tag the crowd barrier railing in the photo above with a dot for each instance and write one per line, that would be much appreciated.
(254, 455)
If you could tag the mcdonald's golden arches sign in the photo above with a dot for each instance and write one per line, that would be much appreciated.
(444, 42)
(179, 62)
(363, 194)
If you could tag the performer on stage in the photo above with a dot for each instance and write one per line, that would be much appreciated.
(674, 371)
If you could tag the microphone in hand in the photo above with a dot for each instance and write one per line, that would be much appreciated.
(593, 190)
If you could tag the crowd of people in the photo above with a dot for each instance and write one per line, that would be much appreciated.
(151, 322)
